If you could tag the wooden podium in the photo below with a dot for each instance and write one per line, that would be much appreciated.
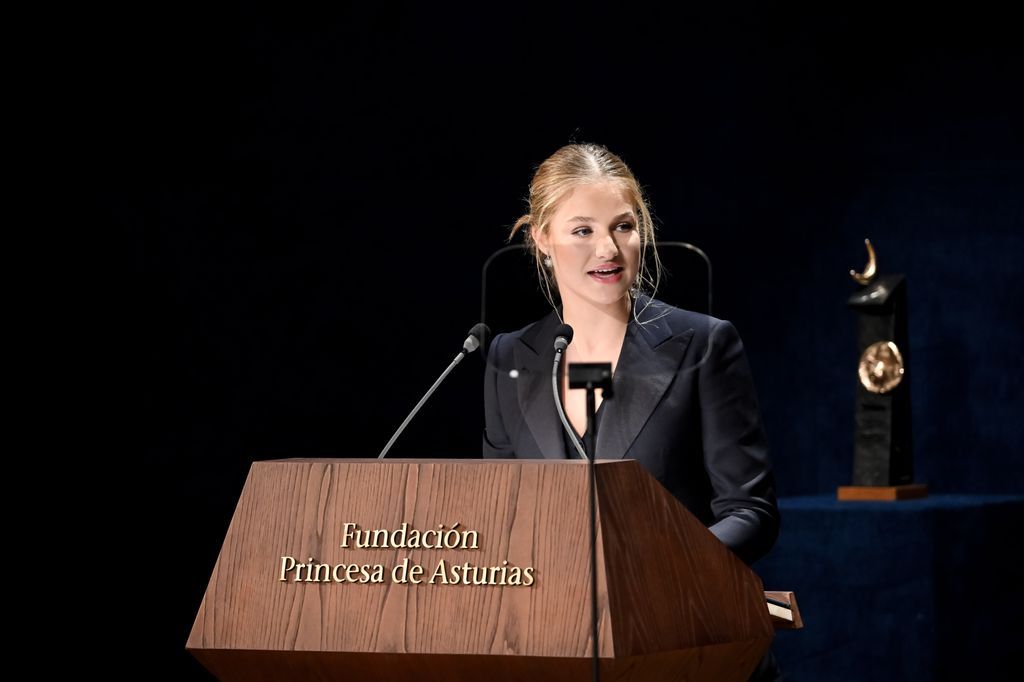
(317, 577)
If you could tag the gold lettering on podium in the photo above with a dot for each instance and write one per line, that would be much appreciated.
(444, 537)
(405, 571)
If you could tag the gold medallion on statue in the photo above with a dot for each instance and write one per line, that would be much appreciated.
(881, 367)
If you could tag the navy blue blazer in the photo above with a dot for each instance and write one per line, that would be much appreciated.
(684, 406)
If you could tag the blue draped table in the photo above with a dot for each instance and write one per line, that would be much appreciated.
(926, 589)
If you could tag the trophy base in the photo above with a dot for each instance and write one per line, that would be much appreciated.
(883, 493)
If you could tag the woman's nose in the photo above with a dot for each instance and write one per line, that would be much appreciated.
(607, 248)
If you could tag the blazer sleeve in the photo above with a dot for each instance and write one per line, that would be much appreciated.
(736, 450)
(496, 443)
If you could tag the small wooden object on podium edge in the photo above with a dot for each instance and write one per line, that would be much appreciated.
(883, 454)
(472, 570)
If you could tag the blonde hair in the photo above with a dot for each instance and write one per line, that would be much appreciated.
(569, 167)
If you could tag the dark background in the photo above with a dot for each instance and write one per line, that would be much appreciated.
(308, 200)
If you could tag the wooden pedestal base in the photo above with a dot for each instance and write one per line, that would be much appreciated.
(884, 493)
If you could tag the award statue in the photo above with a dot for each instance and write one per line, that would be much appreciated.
(882, 458)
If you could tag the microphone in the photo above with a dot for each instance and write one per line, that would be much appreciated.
(563, 337)
(476, 334)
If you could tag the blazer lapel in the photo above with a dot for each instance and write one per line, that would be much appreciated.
(534, 356)
(649, 361)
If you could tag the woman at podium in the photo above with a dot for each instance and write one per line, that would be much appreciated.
(684, 403)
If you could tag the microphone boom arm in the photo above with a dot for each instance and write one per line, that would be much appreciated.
(457, 360)
(561, 412)
(471, 343)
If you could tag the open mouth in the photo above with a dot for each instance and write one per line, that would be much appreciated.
(611, 273)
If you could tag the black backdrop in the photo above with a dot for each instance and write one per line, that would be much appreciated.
(309, 200)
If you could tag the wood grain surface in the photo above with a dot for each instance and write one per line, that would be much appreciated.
(672, 599)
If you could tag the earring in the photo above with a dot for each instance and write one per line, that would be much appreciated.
(547, 261)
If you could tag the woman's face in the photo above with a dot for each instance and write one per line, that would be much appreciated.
(594, 245)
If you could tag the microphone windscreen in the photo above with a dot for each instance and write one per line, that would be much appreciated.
(564, 330)
(563, 336)
(480, 331)
(477, 335)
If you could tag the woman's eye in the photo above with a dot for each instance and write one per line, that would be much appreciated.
(624, 227)
(581, 231)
